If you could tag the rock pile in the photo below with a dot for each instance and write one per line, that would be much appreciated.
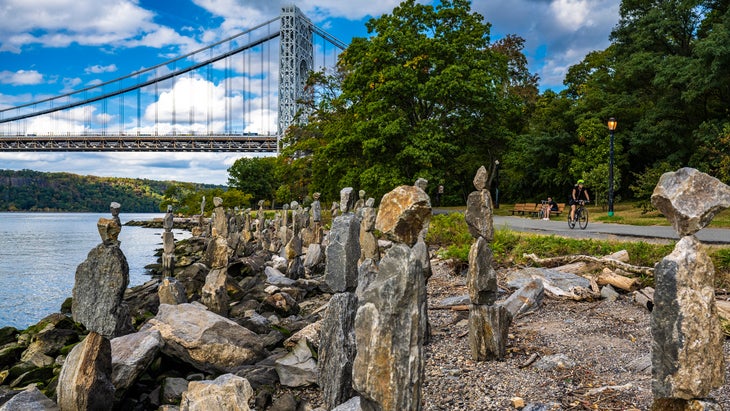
(239, 309)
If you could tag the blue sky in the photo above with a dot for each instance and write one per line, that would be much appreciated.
(51, 47)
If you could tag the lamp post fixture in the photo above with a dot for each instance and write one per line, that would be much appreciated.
(611, 128)
(496, 183)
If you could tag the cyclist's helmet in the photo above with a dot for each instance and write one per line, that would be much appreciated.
(580, 182)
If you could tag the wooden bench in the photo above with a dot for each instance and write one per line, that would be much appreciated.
(526, 208)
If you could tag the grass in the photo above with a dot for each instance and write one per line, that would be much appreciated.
(450, 233)
(630, 213)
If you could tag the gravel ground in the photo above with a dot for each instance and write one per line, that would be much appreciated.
(593, 346)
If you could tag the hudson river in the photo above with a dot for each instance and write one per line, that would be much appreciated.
(39, 253)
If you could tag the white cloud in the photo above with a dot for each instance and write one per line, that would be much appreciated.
(85, 22)
(21, 77)
(96, 69)
(557, 33)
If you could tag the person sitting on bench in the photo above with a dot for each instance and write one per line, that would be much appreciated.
(548, 206)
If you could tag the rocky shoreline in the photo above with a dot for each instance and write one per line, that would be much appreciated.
(282, 315)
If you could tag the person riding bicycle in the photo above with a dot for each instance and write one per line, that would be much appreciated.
(579, 193)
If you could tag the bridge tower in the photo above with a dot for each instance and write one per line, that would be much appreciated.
(296, 60)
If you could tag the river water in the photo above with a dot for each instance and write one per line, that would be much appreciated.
(39, 253)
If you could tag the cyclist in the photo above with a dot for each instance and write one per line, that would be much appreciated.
(579, 193)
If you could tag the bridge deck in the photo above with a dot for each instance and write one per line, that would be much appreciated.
(220, 143)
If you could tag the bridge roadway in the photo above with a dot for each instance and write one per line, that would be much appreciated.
(598, 230)
(206, 143)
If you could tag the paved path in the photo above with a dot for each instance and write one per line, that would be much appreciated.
(598, 230)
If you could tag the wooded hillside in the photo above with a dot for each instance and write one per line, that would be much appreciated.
(28, 190)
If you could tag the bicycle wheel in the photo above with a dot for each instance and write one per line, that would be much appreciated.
(571, 223)
(583, 218)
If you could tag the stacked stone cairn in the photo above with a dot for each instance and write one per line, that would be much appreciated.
(315, 250)
(391, 320)
(294, 248)
(488, 322)
(368, 241)
(170, 290)
(214, 292)
(100, 283)
(687, 352)
(84, 382)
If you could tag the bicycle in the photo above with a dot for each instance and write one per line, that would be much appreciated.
(541, 213)
(581, 216)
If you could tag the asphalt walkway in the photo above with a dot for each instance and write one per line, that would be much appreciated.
(604, 231)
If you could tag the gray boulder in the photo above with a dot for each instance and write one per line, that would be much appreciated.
(337, 350)
(30, 399)
(481, 279)
(343, 253)
(690, 199)
(85, 381)
(132, 354)
(390, 328)
(478, 215)
(204, 339)
(226, 393)
(98, 292)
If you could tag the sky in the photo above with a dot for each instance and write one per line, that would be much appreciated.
(52, 47)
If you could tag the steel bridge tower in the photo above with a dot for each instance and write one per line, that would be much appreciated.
(296, 60)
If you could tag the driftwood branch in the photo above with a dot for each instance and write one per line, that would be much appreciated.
(607, 262)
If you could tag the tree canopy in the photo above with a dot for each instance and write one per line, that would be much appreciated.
(425, 96)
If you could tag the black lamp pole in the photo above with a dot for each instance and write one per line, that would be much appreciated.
(611, 127)
(496, 183)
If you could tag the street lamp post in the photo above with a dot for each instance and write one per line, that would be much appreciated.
(496, 183)
(611, 128)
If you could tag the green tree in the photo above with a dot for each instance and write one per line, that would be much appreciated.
(254, 176)
(423, 96)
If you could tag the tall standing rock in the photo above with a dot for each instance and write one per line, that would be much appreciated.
(85, 381)
(687, 352)
(390, 328)
(337, 350)
(343, 253)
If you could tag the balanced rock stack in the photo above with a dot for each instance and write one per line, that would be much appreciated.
(687, 353)
(100, 283)
(391, 321)
(214, 294)
(488, 322)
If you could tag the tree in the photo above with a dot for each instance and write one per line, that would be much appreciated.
(423, 96)
(254, 176)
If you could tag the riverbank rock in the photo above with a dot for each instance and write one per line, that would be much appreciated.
(132, 354)
(85, 382)
(205, 340)
(226, 393)
(99, 290)
(30, 399)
